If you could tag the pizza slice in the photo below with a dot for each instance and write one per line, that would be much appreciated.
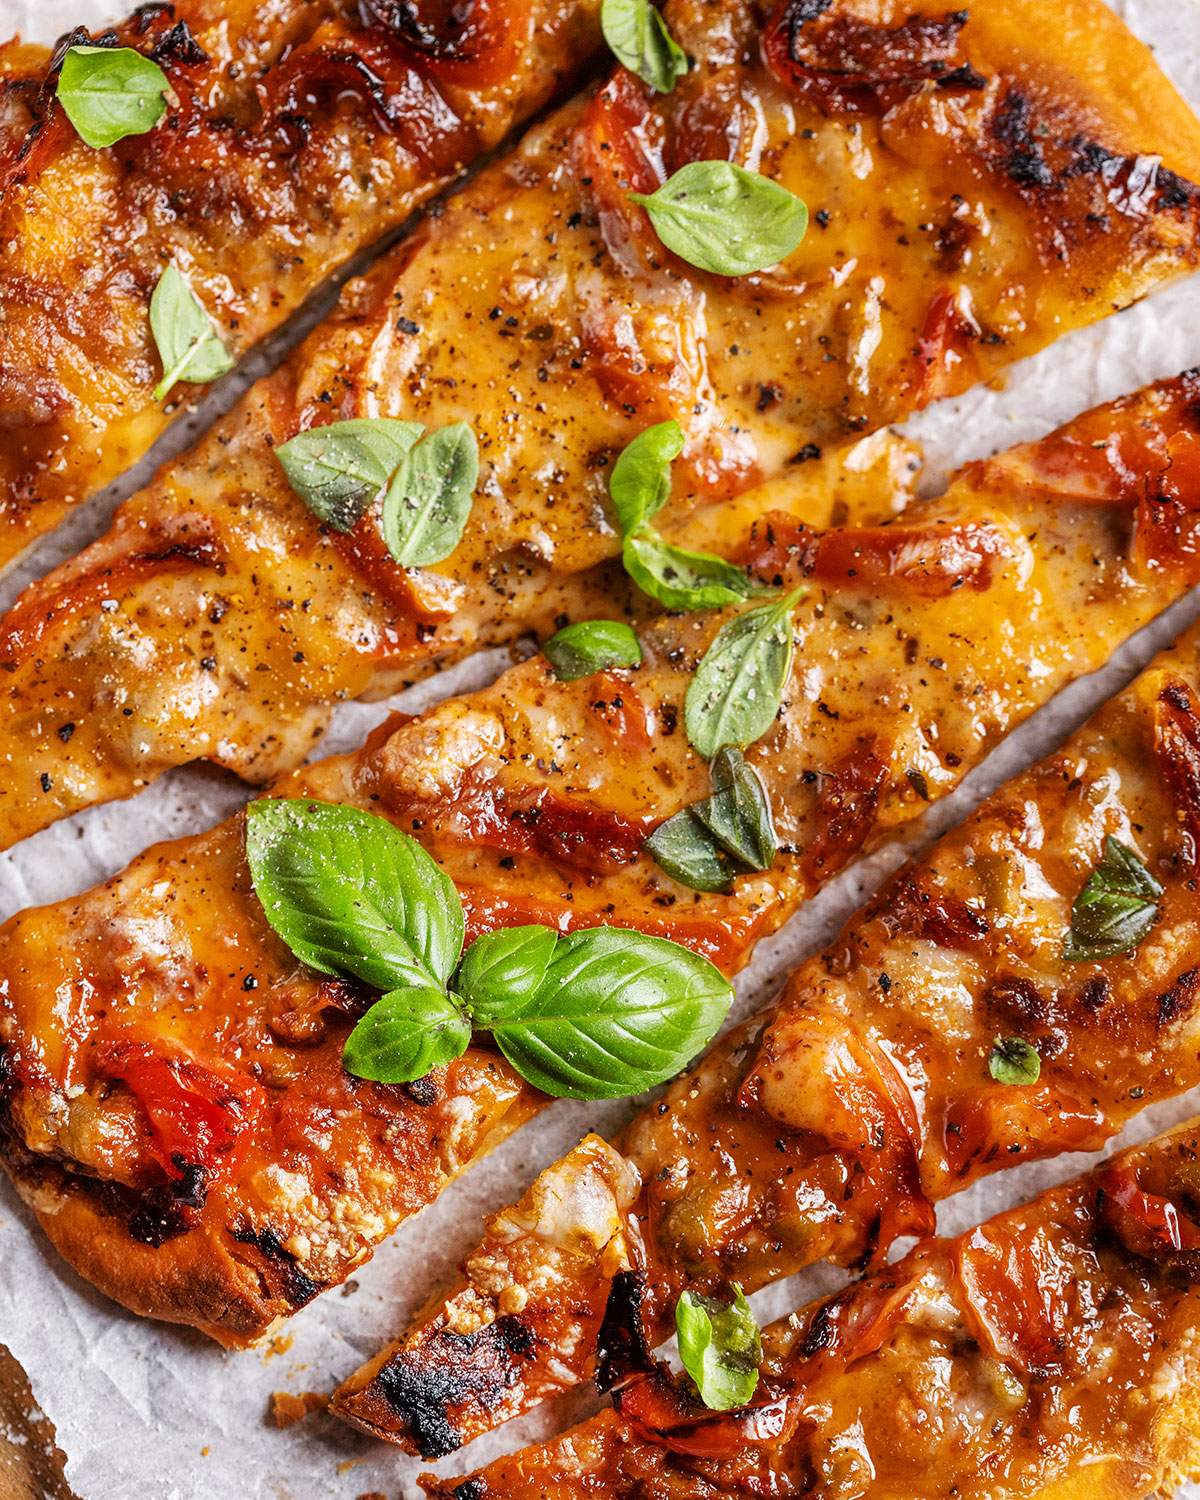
(275, 139)
(175, 1105)
(975, 189)
(1050, 1353)
(969, 1020)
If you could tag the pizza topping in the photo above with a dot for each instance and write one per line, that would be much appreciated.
(721, 218)
(198, 1115)
(111, 92)
(595, 1014)
(1013, 1060)
(641, 39)
(1017, 1296)
(590, 646)
(427, 482)
(1147, 1223)
(847, 65)
(1116, 908)
(720, 1347)
(728, 833)
(188, 343)
(738, 687)
(1177, 748)
(639, 487)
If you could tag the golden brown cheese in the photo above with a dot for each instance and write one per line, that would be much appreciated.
(828, 1126)
(976, 194)
(296, 134)
(1052, 1353)
(176, 1109)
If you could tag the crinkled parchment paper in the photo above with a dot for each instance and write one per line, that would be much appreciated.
(150, 1413)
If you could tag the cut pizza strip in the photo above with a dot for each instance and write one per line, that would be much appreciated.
(1051, 1352)
(876, 1085)
(288, 136)
(163, 998)
(976, 192)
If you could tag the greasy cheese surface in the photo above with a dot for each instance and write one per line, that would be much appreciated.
(175, 1106)
(1050, 1354)
(975, 194)
(297, 133)
(829, 1126)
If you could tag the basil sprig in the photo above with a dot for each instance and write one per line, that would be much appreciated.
(639, 487)
(642, 41)
(339, 469)
(187, 340)
(736, 691)
(111, 92)
(720, 1346)
(590, 646)
(729, 833)
(1116, 908)
(427, 480)
(1014, 1061)
(721, 218)
(596, 1014)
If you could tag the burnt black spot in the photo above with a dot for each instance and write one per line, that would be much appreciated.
(470, 1489)
(1179, 999)
(296, 1286)
(821, 1331)
(422, 1384)
(621, 1348)
(1016, 997)
(962, 78)
(163, 1213)
(1024, 159)
(178, 45)
(1094, 993)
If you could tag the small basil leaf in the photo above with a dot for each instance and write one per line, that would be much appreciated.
(406, 1035)
(1014, 1060)
(687, 851)
(641, 478)
(591, 645)
(499, 965)
(728, 833)
(738, 814)
(429, 499)
(617, 1012)
(339, 469)
(352, 895)
(723, 219)
(1116, 908)
(720, 1347)
(640, 38)
(683, 580)
(184, 333)
(737, 689)
(111, 92)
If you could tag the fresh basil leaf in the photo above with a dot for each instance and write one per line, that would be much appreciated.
(616, 1012)
(687, 851)
(406, 1035)
(729, 833)
(350, 894)
(683, 580)
(338, 470)
(720, 1346)
(723, 219)
(737, 689)
(641, 40)
(111, 92)
(640, 482)
(429, 499)
(1014, 1060)
(187, 340)
(1116, 908)
(501, 965)
(738, 814)
(590, 646)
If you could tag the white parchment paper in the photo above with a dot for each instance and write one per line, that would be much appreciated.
(150, 1413)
